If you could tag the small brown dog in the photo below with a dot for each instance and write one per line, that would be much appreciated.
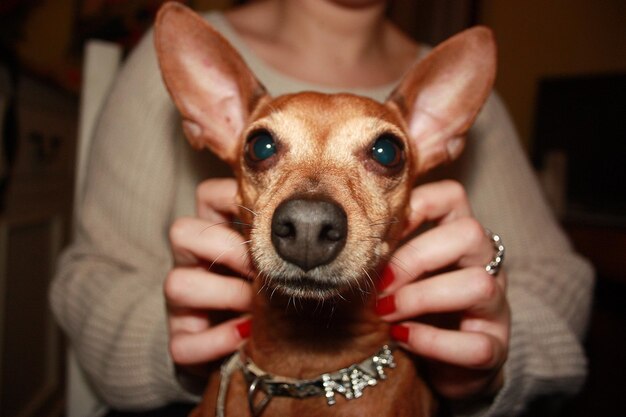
(325, 182)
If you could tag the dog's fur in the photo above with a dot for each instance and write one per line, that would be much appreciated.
(307, 321)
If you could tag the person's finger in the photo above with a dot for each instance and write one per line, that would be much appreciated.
(470, 290)
(198, 288)
(461, 242)
(186, 320)
(196, 241)
(210, 344)
(216, 199)
(440, 201)
(473, 350)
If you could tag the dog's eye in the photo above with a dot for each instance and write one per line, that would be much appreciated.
(387, 151)
(260, 146)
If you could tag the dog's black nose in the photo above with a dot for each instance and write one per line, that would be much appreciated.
(309, 233)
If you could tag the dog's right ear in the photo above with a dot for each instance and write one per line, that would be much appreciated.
(208, 80)
(441, 96)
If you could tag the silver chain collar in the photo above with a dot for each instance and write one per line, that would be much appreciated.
(349, 382)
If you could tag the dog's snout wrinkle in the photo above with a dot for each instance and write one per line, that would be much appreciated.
(309, 233)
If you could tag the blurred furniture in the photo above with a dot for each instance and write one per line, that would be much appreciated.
(34, 222)
(580, 138)
(580, 149)
(38, 376)
(101, 63)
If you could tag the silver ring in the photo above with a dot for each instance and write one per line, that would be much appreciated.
(494, 265)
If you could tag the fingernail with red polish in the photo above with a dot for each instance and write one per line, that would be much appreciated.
(386, 278)
(244, 328)
(400, 333)
(386, 305)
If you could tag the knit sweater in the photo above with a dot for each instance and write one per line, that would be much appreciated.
(107, 294)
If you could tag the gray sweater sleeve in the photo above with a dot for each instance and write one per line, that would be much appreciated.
(107, 294)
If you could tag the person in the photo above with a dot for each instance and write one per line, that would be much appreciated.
(519, 336)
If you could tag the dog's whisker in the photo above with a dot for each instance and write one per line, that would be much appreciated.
(401, 265)
(245, 259)
(259, 275)
(243, 224)
(289, 301)
(378, 278)
(370, 280)
(364, 282)
(410, 245)
(264, 280)
(382, 222)
(212, 226)
(254, 213)
(365, 287)
(217, 258)
(319, 306)
(273, 291)
(234, 222)
(265, 286)
(379, 220)
(350, 285)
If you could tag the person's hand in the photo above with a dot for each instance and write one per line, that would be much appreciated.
(444, 305)
(195, 292)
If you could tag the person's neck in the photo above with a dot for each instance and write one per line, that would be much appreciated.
(323, 42)
(348, 35)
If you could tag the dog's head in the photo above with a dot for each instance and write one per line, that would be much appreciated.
(324, 179)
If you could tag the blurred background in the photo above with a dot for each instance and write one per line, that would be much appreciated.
(562, 73)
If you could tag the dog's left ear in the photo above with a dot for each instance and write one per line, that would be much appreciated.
(210, 83)
(441, 96)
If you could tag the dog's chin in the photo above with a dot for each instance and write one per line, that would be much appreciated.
(321, 283)
(307, 288)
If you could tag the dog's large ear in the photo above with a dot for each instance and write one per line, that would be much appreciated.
(441, 96)
(208, 80)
